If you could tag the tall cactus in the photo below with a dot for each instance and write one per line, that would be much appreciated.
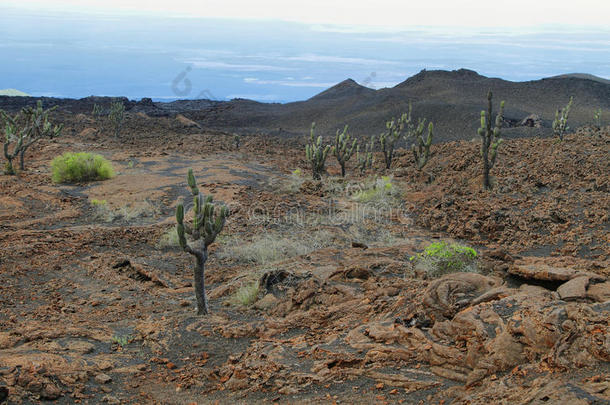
(13, 135)
(206, 225)
(316, 154)
(39, 127)
(389, 138)
(490, 139)
(421, 148)
(116, 116)
(560, 124)
(343, 148)
(23, 130)
(365, 160)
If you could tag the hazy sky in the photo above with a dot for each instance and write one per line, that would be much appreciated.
(385, 13)
(272, 50)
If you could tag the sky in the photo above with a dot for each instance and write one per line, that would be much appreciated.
(383, 13)
(281, 51)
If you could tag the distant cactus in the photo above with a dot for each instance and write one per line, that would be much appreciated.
(236, 141)
(394, 130)
(343, 148)
(365, 160)
(490, 139)
(316, 154)
(23, 130)
(421, 148)
(205, 227)
(560, 124)
(116, 116)
(597, 118)
(98, 111)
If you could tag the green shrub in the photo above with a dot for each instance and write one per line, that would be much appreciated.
(381, 191)
(441, 258)
(169, 238)
(79, 167)
(246, 295)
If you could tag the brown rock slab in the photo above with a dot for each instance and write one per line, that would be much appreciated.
(599, 292)
(268, 301)
(544, 272)
(574, 289)
(103, 378)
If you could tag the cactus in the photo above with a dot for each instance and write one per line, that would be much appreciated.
(316, 154)
(388, 139)
(597, 118)
(560, 124)
(23, 130)
(206, 225)
(365, 160)
(343, 150)
(236, 141)
(490, 138)
(421, 148)
(116, 116)
(97, 110)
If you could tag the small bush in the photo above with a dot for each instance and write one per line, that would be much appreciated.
(441, 258)
(102, 211)
(381, 191)
(246, 295)
(272, 247)
(169, 238)
(80, 167)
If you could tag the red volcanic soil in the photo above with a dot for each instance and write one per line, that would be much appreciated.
(96, 306)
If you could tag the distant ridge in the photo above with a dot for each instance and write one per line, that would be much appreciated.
(347, 88)
(13, 93)
(582, 76)
(453, 100)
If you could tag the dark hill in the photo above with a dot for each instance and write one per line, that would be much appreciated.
(451, 99)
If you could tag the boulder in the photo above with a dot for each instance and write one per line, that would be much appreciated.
(532, 120)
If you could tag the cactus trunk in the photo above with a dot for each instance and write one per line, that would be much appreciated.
(199, 280)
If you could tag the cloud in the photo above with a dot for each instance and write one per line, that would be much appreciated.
(208, 64)
(290, 83)
(316, 58)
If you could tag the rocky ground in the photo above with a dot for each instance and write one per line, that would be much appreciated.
(97, 308)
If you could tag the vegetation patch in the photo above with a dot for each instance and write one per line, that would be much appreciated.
(272, 247)
(381, 191)
(441, 258)
(169, 238)
(80, 167)
(246, 295)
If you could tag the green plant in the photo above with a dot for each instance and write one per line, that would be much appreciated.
(382, 190)
(365, 160)
(389, 138)
(120, 341)
(441, 258)
(316, 154)
(236, 141)
(597, 118)
(490, 139)
(97, 110)
(116, 116)
(23, 130)
(560, 123)
(101, 211)
(246, 295)
(294, 182)
(343, 148)
(205, 226)
(169, 238)
(421, 148)
(79, 167)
